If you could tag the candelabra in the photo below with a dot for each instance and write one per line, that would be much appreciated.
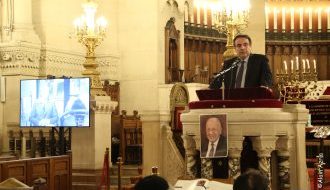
(230, 18)
(91, 35)
(292, 85)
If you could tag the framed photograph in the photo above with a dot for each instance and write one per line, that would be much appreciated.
(214, 133)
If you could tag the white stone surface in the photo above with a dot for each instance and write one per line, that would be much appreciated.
(265, 123)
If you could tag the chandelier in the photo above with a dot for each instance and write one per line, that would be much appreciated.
(90, 33)
(231, 18)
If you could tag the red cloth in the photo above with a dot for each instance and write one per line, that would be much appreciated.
(261, 103)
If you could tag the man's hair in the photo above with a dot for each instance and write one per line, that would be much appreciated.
(251, 180)
(243, 36)
(152, 182)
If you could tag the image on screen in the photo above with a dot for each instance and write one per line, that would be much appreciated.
(55, 102)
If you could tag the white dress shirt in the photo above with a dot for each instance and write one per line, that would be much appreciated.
(210, 146)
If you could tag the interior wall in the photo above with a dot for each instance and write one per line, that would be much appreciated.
(53, 21)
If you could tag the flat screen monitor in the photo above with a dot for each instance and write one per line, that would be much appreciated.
(55, 102)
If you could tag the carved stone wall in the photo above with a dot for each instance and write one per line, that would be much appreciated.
(173, 162)
(31, 60)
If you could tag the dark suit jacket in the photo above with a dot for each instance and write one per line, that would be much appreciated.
(257, 74)
(221, 149)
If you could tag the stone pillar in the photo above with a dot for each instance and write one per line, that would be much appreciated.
(298, 167)
(89, 144)
(206, 168)
(235, 149)
(283, 147)
(23, 28)
(264, 145)
(151, 140)
(190, 147)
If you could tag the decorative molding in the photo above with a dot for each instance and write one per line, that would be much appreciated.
(206, 168)
(264, 166)
(234, 167)
(284, 170)
(20, 60)
(179, 96)
(103, 104)
(31, 60)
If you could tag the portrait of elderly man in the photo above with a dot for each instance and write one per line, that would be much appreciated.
(213, 136)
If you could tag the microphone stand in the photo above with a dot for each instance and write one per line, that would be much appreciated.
(223, 88)
(222, 73)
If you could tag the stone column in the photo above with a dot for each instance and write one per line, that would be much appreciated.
(89, 144)
(234, 163)
(23, 29)
(283, 147)
(206, 168)
(264, 146)
(190, 147)
(235, 149)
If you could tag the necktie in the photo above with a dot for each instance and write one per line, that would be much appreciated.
(211, 154)
(239, 76)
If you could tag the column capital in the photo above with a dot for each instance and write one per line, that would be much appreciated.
(264, 145)
(235, 152)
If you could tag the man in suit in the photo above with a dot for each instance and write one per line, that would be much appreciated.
(252, 69)
(215, 144)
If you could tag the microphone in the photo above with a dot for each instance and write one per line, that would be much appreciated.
(235, 64)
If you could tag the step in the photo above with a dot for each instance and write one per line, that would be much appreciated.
(125, 180)
(130, 170)
(85, 177)
(84, 186)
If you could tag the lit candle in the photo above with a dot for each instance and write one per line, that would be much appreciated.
(283, 18)
(275, 18)
(292, 18)
(266, 15)
(328, 17)
(310, 16)
(304, 66)
(212, 17)
(205, 15)
(291, 66)
(301, 18)
(319, 17)
(307, 61)
(285, 67)
(314, 65)
(297, 63)
(192, 20)
(198, 15)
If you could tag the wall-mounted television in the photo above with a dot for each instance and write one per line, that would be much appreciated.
(55, 102)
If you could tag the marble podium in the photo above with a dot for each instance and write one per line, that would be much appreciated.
(276, 130)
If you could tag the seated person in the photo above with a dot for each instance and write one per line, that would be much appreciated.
(44, 112)
(251, 180)
(152, 182)
(76, 113)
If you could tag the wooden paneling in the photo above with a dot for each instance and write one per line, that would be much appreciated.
(204, 58)
(38, 168)
(57, 171)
